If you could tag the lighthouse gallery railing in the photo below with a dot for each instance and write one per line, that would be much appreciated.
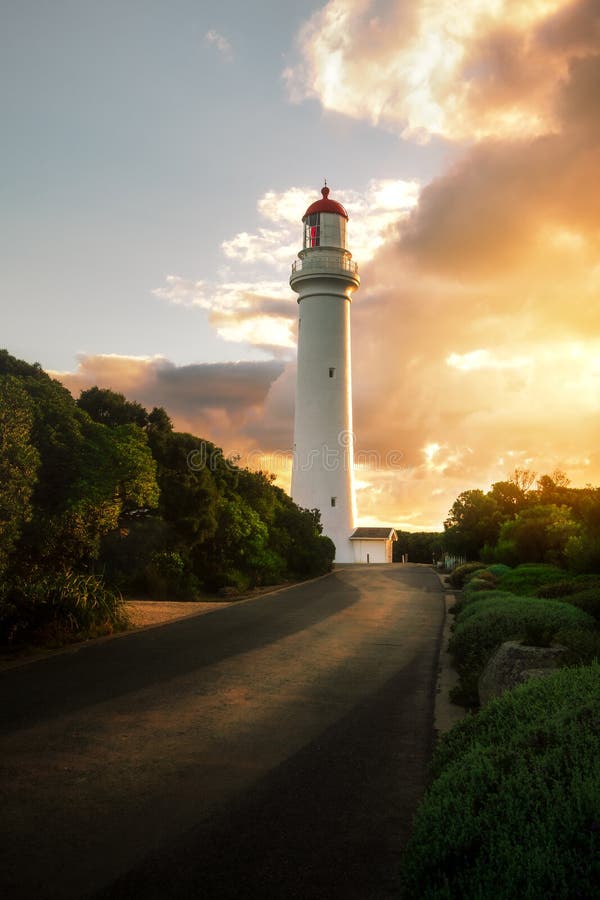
(325, 262)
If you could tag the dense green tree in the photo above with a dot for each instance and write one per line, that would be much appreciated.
(114, 476)
(419, 546)
(110, 408)
(19, 463)
(473, 521)
(190, 472)
(101, 485)
(509, 498)
(536, 535)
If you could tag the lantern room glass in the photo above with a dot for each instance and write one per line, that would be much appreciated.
(324, 230)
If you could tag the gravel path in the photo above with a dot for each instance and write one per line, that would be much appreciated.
(154, 612)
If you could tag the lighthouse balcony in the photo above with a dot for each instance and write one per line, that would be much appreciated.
(321, 261)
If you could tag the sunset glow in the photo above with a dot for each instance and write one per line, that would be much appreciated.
(464, 142)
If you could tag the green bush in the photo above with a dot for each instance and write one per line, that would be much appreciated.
(458, 577)
(167, 577)
(588, 601)
(498, 569)
(482, 575)
(583, 645)
(557, 589)
(525, 579)
(471, 596)
(480, 584)
(61, 605)
(513, 809)
(487, 622)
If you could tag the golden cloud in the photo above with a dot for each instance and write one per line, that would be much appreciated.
(476, 331)
(471, 70)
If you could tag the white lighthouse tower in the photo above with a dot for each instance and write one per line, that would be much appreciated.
(325, 277)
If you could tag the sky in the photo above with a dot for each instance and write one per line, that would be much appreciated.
(157, 158)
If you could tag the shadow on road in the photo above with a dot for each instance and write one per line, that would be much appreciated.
(328, 823)
(93, 673)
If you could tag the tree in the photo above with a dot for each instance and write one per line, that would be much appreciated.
(509, 497)
(115, 477)
(523, 478)
(420, 546)
(473, 522)
(188, 488)
(19, 463)
(110, 408)
(537, 535)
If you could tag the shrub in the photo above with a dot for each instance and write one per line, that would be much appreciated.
(458, 577)
(513, 809)
(588, 601)
(487, 622)
(498, 569)
(526, 578)
(167, 577)
(484, 575)
(557, 589)
(66, 604)
(471, 596)
(583, 645)
(480, 584)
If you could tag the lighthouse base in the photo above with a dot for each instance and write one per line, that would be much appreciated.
(344, 552)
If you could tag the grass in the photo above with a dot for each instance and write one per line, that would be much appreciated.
(54, 608)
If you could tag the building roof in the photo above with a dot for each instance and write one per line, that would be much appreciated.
(374, 534)
(325, 205)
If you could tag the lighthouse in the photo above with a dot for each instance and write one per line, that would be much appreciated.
(325, 277)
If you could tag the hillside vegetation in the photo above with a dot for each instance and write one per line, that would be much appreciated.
(99, 496)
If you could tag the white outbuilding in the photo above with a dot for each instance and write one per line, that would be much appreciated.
(373, 545)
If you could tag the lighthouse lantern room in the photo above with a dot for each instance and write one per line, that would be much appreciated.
(325, 278)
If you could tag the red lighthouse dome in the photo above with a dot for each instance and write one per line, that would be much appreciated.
(325, 205)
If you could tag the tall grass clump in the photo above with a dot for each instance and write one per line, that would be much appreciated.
(514, 808)
(61, 605)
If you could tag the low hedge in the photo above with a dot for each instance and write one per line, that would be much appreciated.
(458, 577)
(588, 601)
(524, 580)
(490, 620)
(514, 807)
(582, 591)
(558, 589)
(498, 569)
(473, 595)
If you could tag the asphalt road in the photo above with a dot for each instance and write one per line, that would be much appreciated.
(274, 748)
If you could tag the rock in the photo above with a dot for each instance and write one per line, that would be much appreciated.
(512, 664)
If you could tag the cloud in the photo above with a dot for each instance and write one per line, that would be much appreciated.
(212, 38)
(260, 313)
(216, 401)
(476, 343)
(382, 204)
(471, 70)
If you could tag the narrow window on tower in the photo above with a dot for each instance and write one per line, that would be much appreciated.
(331, 372)
(333, 501)
(312, 233)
